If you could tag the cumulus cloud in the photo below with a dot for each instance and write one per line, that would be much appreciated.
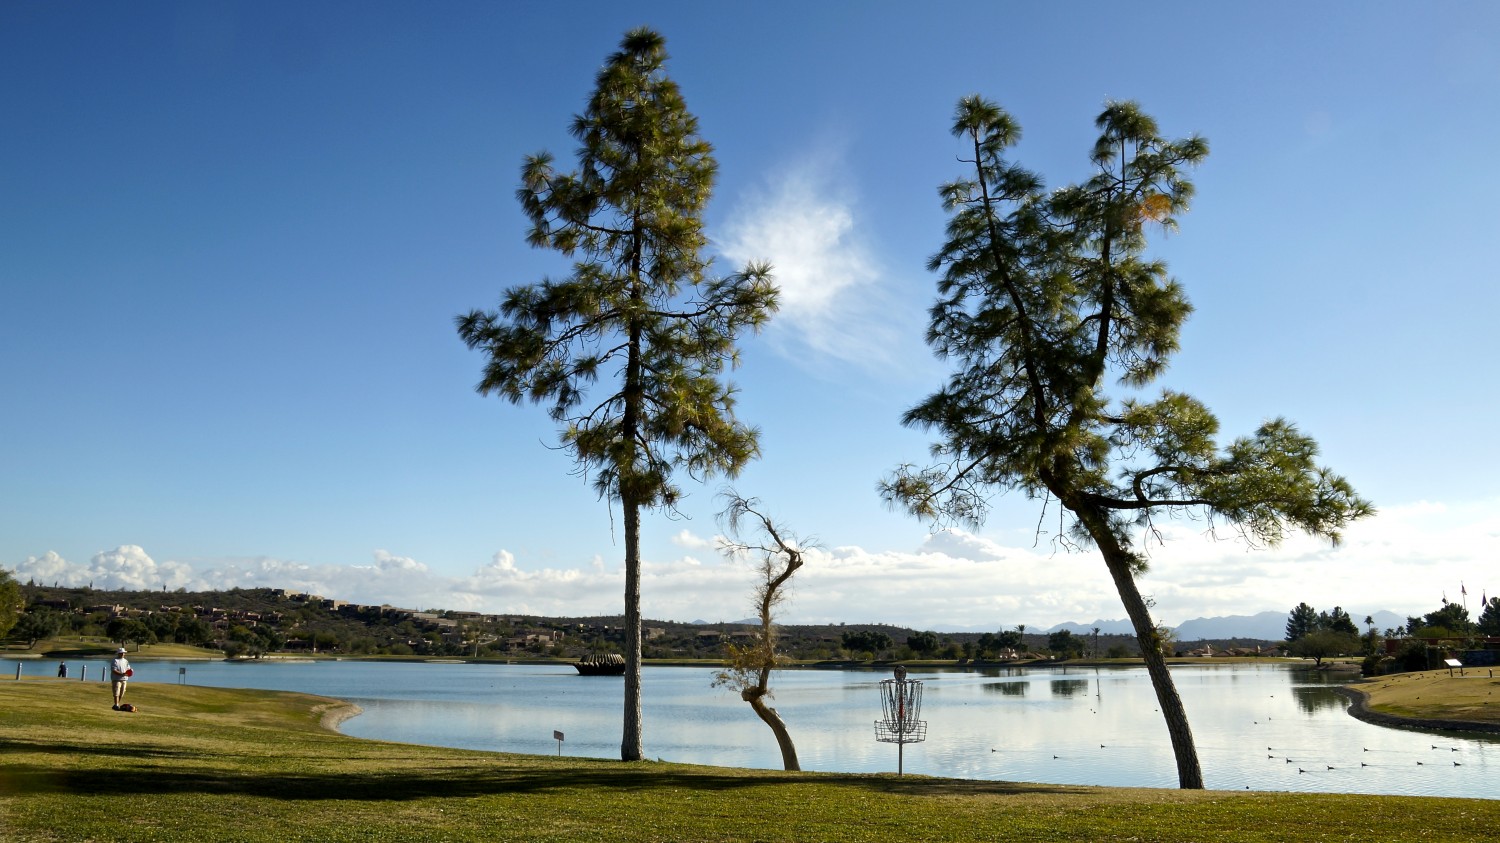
(387, 579)
(387, 562)
(127, 567)
(1402, 560)
(50, 569)
(964, 545)
(693, 541)
(505, 586)
(953, 579)
(834, 302)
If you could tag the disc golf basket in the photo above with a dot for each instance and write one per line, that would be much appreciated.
(901, 703)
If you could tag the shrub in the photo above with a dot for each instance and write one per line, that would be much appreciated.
(1412, 656)
(1376, 664)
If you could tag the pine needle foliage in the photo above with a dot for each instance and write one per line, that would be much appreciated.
(629, 351)
(1046, 301)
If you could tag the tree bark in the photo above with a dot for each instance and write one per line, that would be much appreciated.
(630, 501)
(630, 742)
(778, 728)
(1119, 561)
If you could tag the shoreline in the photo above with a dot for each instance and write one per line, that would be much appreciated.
(1359, 709)
(336, 712)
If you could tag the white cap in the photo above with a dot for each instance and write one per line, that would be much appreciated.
(121, 650)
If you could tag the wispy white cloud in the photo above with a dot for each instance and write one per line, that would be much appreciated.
(1402, 560)
(835, 304)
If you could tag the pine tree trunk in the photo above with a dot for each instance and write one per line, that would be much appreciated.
(778, 728)
(630, 743)
(1118, 560)
(630, 500)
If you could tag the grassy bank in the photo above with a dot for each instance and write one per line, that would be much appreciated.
(1470, 697)
(199, 764)
(74, 647)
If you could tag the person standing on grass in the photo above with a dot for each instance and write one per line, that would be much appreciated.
(119, 674)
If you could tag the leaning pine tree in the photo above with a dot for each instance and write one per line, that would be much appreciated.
(1044, 300)
(628, 350)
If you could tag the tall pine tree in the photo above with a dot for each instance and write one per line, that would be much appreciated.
(1043, 300)
(629, 350)
(1302, 620)
(1489, 616)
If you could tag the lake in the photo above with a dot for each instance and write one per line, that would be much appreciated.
(1263, 727)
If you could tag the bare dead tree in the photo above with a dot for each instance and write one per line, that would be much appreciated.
(749, 668)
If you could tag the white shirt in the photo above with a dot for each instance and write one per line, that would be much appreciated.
(118, 667)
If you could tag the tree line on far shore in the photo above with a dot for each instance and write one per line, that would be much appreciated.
(259, 621)
(1446, 630)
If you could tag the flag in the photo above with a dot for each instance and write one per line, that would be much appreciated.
(1461, 589)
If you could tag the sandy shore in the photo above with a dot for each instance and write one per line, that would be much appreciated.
(334, 712)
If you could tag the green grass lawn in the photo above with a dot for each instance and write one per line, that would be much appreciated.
(74, 647)
(205, 764)
(1472, 696)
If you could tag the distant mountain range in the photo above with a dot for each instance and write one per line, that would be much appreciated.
(1265, 626)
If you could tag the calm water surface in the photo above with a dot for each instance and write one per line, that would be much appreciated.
(1257, 727)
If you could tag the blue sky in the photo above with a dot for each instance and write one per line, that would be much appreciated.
(233, 238)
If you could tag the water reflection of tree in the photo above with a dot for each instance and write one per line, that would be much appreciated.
(1008, 689)
(1069, 687)
(1313, 698)
(1321, 677)
(1001, 671)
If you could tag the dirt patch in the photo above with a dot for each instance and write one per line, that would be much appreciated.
(330, 715)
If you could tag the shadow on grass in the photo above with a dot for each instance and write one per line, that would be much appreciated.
(50, 747)
(79, 651)
(433, 781)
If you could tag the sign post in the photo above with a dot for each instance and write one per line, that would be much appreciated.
(558, 736)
